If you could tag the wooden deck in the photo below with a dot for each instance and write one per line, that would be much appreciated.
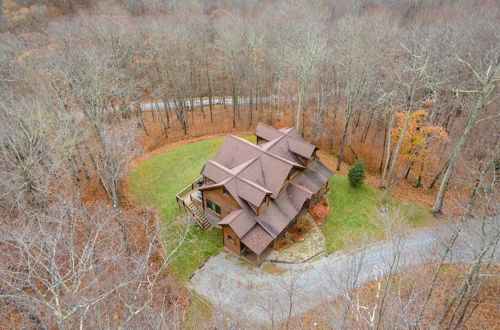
(188, 198)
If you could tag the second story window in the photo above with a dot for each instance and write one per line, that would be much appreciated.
(214, 207)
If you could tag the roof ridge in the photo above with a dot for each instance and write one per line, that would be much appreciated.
(246, 165)
(271, 143)
(286, 134)
(263, 189)
(266, 152)
(301, 187)
(234, 175)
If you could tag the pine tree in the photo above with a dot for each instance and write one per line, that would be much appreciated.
(357, 174)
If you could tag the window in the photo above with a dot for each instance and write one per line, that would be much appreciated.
(225, 192)
(214, 207)
(231, 239)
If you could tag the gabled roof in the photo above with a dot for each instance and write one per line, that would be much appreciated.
(250, 172)
(235, 182)
(314, 176)
(257, 239)
(239, 221)
(285, 142)
(250, 163)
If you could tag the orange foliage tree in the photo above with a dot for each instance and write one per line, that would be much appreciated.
(415, 151)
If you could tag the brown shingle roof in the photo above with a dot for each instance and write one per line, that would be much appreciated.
(241, 221)
(257, 239)
(298, 194)
(314, 176)
(285, 142)
(262, 167)
(235, 181)
(250, 172)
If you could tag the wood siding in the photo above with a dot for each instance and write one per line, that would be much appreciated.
(264, 206)
(261, 140)
(207, 180)
(226, 203)
(227, 232)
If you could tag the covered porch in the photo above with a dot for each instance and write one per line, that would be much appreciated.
(249, 256)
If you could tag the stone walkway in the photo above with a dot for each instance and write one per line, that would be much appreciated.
(314, 244)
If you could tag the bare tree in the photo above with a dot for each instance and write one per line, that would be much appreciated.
(358, 51)
(418, 78)
(229, 42)
(486, 81)
(67, 267)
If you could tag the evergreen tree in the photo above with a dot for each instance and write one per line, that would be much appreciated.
(357, 174)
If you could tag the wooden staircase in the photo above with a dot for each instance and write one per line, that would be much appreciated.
(198, 215)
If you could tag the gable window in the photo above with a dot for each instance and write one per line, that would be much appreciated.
(231, 239)
(214, 207)
(225, 192)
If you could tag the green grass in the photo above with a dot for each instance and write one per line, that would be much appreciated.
(355, 214)
(156, 181)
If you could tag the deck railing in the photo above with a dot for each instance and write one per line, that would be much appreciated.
(187, 190)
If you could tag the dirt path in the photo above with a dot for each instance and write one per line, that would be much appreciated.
(260, 296)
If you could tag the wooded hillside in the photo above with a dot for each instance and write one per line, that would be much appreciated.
(86, 86)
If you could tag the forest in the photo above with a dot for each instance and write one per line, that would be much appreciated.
(87, 87)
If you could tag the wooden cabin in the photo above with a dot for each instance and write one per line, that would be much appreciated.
(255, 192)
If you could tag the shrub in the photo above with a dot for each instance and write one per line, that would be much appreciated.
(357, 174)
(319, 213)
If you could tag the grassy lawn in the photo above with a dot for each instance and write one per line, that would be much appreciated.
(354, 214)
(156, 181)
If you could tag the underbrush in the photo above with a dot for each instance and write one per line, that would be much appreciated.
(410, 287)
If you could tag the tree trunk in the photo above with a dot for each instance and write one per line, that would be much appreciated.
(347, 118)
(202, 108)
(181, 115)
(318, 120)
(138, 105)
(464, 137)
(395, 157)
(408, 171)
(152, 113)
(367, 127)
(477, 185)
(299, 110)
(234, 102)
(438, 175)
(162, 123)
(167, 108)
(418, 184)
(428, 295)
(467, 281)
(209, 85)
(82, 161)
(250, 114)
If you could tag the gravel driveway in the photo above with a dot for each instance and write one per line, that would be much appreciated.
(258, 295)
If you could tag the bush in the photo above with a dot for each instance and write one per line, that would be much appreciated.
(357, 174)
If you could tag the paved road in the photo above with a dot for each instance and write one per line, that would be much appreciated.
(254, 294)
(215, 100)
